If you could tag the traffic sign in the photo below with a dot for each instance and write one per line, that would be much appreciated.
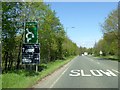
(30, 54)
(101, 52)
(31, 32)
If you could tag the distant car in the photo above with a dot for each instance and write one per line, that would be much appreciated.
(85, 53)
(82, 54)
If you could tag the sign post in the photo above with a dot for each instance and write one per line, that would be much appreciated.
(31, 47)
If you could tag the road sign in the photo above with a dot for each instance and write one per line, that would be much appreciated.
(30, 53)
(101, 52)
(31, 32)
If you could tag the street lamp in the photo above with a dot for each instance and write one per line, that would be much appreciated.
(66, 37)
(67, 28)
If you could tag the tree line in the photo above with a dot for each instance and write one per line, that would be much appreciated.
(54, 43)
(109, 44)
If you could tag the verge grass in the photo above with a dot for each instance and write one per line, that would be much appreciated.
(107, 57)
(26, 79)
(0, 81)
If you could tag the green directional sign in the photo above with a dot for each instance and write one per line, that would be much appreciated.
(31, 32)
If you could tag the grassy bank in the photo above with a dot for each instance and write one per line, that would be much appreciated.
(25, 79)
(0, 82)
(107, 57)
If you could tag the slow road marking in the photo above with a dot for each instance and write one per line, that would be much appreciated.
(115, 71)
(97, 73)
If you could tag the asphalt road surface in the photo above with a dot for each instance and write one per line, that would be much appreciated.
(83, 72)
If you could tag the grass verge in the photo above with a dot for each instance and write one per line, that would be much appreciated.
(115, 58)
(0, 81)
(25, 79)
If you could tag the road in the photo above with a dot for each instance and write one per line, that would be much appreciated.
(83, 72)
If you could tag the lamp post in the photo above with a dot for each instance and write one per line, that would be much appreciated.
(67, 28)
(66, 37)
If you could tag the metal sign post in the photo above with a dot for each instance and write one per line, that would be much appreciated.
(31, 47)
(36, 68)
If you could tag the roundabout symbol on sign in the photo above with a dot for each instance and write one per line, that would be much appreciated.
(28, 33)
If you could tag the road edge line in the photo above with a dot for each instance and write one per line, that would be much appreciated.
(59, 77)
(69, 63)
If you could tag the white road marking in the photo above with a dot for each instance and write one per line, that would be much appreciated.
(59, 77)
(83, 74)
(98, 63)
(115, 71)
(108, 73)
(89, 58)
(76, 73)
(98, 73)
(92, 60)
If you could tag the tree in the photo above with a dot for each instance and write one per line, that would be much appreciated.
(111, 24)
(51, 32)
(9, 31)
(101, 45)
(110, 31)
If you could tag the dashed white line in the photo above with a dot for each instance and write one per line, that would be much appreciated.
(115, 71)
(98, 63)
(93, 60)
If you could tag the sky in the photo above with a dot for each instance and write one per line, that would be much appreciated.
(85, 17)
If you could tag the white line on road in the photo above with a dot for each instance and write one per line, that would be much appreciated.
(61, 74)
(59, 77)
(115, 71)
(93, 60)
(89, 58)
